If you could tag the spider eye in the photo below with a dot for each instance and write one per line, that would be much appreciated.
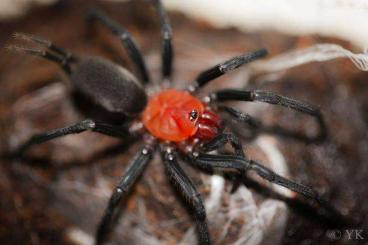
(193, 115)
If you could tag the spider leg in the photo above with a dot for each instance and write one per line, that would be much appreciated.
(167, 49)
(257, 126)
(242, 117)
(46, 43)
(125, 37)
(306, 191)
(131, 174)
(80, 127)
(53, 53)
(221, 140)
(190, 194)
(270, 98)
(233, 162)
(220, 69)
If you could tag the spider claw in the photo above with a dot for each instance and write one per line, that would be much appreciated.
(20, 35)
(12, 48)
(19, 49)
(31, 38)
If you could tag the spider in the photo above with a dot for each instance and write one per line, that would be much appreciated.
(174, 122)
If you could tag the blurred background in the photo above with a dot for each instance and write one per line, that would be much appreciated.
(317, 54)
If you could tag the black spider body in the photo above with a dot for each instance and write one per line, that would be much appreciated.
(109, 85)
(117, 90)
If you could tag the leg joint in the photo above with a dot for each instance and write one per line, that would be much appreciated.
(88, 124)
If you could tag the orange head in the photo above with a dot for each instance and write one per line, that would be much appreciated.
(172, 115)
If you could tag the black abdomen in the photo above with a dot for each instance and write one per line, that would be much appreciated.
(109, 85)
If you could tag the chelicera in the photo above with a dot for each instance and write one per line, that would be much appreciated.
(175, 122)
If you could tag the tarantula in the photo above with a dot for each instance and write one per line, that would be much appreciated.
(173, 122)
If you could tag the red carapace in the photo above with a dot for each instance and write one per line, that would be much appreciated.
(176, 116)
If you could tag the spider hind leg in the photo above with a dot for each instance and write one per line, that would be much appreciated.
(125, 37)
(50, 51)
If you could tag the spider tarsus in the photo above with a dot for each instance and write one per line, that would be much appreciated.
(21, 35)
(35, 39)
(19, 49)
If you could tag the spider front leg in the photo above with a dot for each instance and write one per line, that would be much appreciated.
(77, 128)
(190, 194)
(134, 170)
(275, 99)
